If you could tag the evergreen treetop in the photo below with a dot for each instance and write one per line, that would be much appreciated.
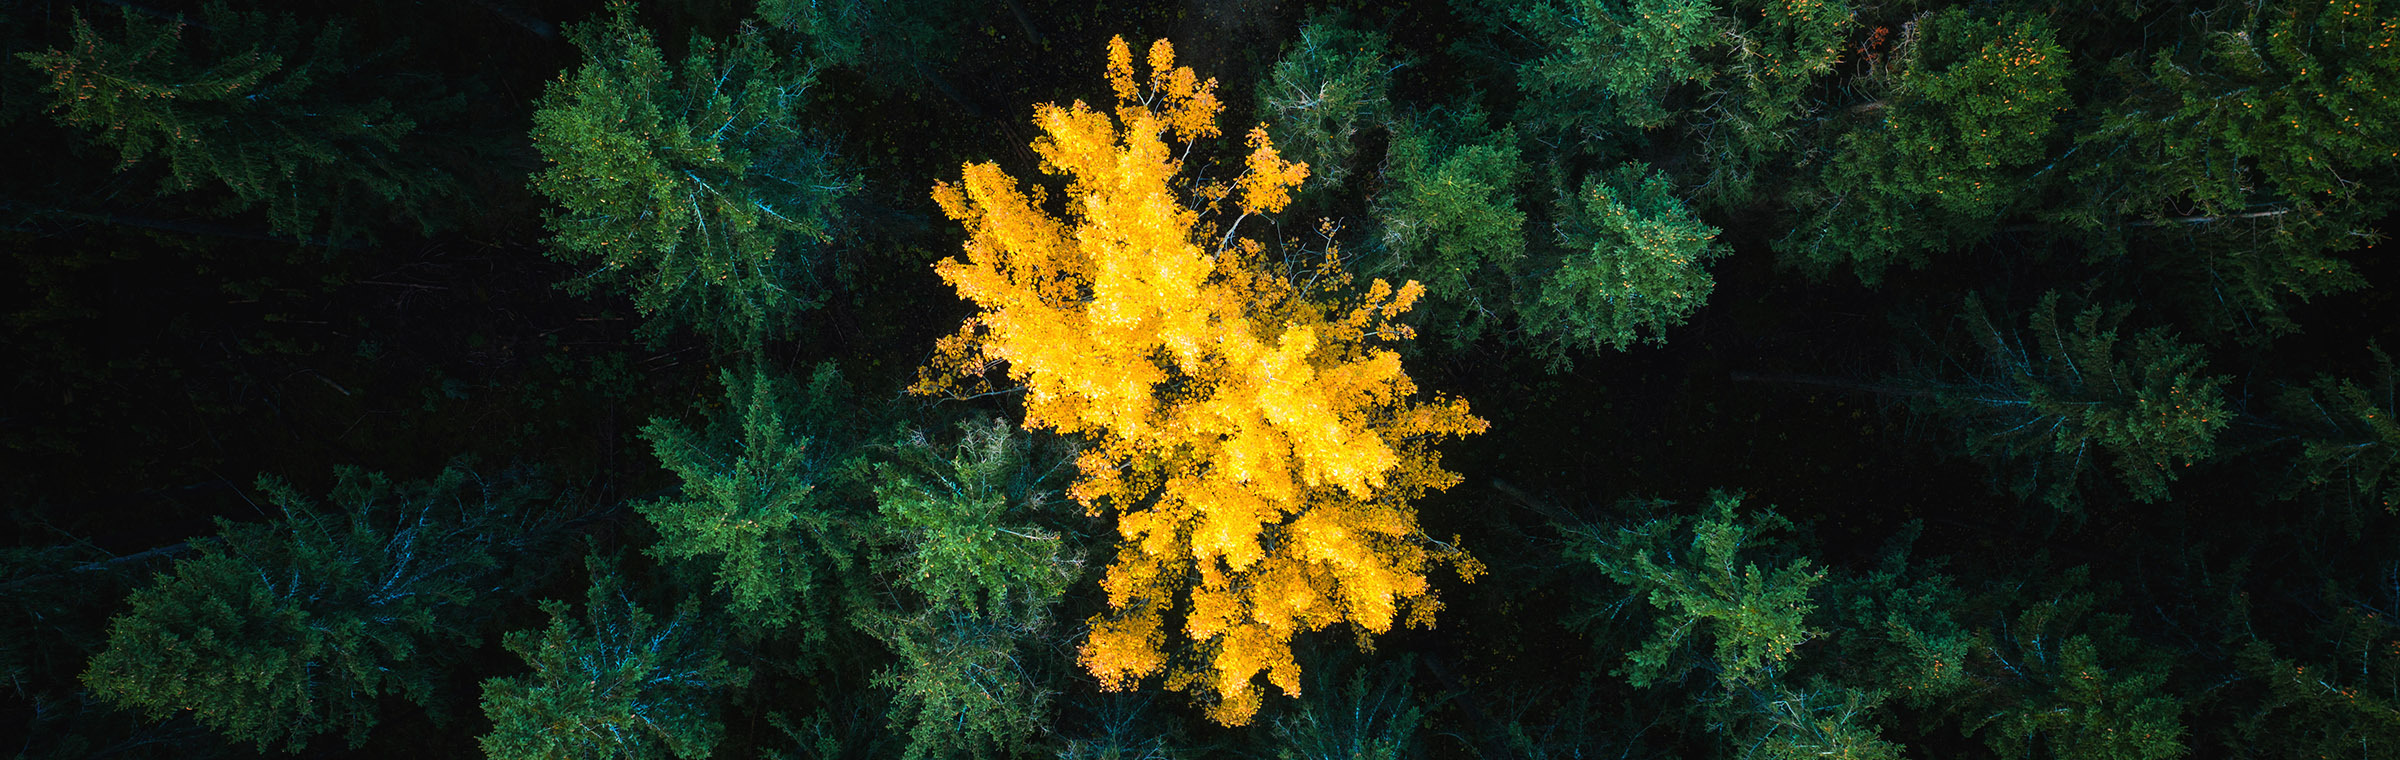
(697, 189)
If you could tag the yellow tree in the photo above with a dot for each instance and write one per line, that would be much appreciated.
(1258, 447)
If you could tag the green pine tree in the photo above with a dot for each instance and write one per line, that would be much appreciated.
(1944, 155)
(2062, 679)
(275, 633)
(1333, 81)
(1747, 119)
(883, 40)
(696, 189)
(244, 101)
(2260, 104)
(980, 576)
(2041, 411)
(1608, 65)
(1896, 627)
(1375, 715)
(1715, 611)
(2349, 437)
(1732, 80)
(1645, 271)
(2249, 154)
(2342, 701)
(1448, 217)
(618, 684)
(751, 512)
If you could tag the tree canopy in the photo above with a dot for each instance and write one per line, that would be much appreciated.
(1260, 454)
(1992, 380)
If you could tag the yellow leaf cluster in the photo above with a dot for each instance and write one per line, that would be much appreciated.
(1258, 447)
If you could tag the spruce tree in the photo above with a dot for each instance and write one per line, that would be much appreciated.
(245, 101)
(618, 684)
(1609, 65)
(1637, 265)
(1947, 152)
(1333, 81)
(275, 633)
(2248, 152)
(2042, 409)
(2054, 673)
(697, 189)
(976, 577)
(2349, 437)
(1729, 629)
(1717, 609)
(2335, 694)
(1448, 217)
(750, 513)
(1373, 715)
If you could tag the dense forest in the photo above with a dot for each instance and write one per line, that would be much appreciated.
(1201, 378)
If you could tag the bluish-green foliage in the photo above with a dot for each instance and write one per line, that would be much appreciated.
(2350, 437)
(2266, 104)
(960, 515)
(1608, 64)
(1602, 75)
(617, 684)
(884, 40)
(1129, 727)
(981, 576)
(2064, 679)
(1449, 219)
(1371, 718)
(1897, 627)
(243, 100)
(1715, 608)
(696, 189)
(750, 513)
(1819, 720)
(1969, 105)
(1716, 613)
(1766, 73)
(1637, 264)
(2033, 670)
(1332, 81)
(2046, 403)
(2249, 156)
(2340, 698)
(1375, 716)
(274, 633)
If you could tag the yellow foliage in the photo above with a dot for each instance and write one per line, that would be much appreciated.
(1266, 187)
(1258, 447)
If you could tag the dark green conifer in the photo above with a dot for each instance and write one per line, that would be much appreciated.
(2060, 677)
(2339, 698)
(2247, 154)
(1944, 155)
(1717, 609)
(274, 633)
(697, 189)
(1373, 715)
(1637, 264)
(618, 684)
(1608, 65)
(1718, 614)
(750, 512)
(1333, 81)
(2042, 410)
(979, 577)
(245, 101)
(1448, 218)
(2349, 437)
